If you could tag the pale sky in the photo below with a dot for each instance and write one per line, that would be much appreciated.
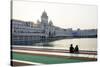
(62, 15)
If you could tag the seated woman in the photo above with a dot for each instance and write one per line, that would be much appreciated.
(76, 50)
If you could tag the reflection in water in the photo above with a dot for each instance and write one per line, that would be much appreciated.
(44, 44)
(83, 43)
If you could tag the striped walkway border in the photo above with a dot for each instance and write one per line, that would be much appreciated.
(27, 62)
(51, 49)
(54, 53)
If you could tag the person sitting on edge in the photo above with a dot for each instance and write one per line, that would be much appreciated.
(71, 48)
(76, 50)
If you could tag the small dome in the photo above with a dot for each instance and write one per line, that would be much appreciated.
(38, 21)
(50, 22)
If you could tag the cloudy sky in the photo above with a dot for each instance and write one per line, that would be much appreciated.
(63, 15)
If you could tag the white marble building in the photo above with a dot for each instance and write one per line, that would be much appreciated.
(26, 30)
(29, 31)
(85, 32)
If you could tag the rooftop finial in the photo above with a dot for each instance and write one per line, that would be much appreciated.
(44, 10)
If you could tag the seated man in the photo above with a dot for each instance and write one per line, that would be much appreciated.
(71, 48)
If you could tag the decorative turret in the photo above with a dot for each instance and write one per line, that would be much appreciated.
(44, 18)
(38, 22)
(50, 23)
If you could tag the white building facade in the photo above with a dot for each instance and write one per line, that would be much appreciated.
(26, 31)
(85, 33)
(29, 31)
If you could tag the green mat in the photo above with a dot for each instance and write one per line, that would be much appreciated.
(43, 59)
